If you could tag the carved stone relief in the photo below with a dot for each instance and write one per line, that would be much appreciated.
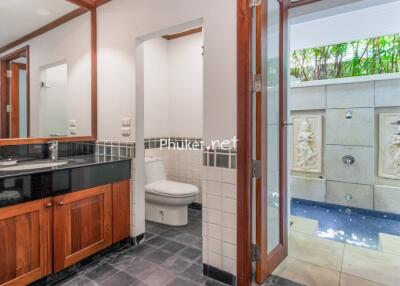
(389, 145)
(307, 144)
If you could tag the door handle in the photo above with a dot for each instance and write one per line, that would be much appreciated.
(49, 205)
(286, 124)
(61, 203)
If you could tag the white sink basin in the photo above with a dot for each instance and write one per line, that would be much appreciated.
(33, 165)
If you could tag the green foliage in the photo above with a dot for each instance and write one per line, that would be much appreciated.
(357, 58)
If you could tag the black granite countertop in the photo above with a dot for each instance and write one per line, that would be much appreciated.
(80, 173)
(73, 162)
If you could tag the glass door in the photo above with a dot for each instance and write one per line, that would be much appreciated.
(270, 136)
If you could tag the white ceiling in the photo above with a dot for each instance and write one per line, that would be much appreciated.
(20, 17)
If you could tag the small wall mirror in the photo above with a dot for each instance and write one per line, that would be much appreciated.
(46, 72)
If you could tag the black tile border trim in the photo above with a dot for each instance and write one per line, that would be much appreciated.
(117, 149)
(220, 158)
(55, 278)
(179, 142)
(218, 274)
(40, 151)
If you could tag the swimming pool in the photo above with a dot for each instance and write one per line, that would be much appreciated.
(346, 224)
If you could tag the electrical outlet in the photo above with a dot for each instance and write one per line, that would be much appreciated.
(72, 131)
(126, 131)
(126, 122)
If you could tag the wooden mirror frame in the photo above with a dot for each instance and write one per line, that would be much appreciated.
(64, 19)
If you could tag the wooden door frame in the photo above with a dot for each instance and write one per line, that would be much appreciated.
(244, 132)
(4, 90)
(14, 100)
(244, 148)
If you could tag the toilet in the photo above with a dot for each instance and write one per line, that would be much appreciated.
(166, 201)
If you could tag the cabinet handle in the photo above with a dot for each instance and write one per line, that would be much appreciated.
(49, 205)
(61, 203)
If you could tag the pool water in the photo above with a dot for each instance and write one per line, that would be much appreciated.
(346, 224)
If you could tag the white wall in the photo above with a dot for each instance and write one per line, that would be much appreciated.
(356, 25)
(69, 42)
(173, 75)
(53, 114)
(156, 97)
(186, 86)
(121, 22)
(122, 26)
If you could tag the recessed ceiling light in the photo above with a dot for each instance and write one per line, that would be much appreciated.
(42, 12)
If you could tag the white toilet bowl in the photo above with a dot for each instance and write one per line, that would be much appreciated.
(166, 201)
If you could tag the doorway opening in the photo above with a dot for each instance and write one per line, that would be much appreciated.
(343, 184)
(169, 102)
(14, 94)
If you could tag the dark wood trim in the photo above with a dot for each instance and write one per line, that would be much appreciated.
(14, 99)
(261, 154)
(4, 89)
(93, 20)
(283, 83)
(244, 131)
(301, 3)
(43, 140)
(183, 34)
(4, 100)
(68, 17)
(88, 4)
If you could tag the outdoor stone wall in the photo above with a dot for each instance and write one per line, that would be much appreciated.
(358, 117)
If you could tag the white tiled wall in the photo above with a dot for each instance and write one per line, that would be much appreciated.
(219, 218)
(181, 166)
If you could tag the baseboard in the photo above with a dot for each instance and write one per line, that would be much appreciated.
(196, 206)
(219, 275)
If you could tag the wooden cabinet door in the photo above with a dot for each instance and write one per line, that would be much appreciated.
(25, 253)
(121, 210)
(82, 225)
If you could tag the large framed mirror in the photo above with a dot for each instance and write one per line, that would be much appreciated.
(48, 78)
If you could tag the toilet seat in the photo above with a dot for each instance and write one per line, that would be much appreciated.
(172, 189)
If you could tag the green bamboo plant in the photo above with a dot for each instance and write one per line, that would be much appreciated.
(356, 58)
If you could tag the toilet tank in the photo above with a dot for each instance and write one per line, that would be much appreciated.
(154, 170)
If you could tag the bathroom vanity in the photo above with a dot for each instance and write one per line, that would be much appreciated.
(52, 218)
(61, 203)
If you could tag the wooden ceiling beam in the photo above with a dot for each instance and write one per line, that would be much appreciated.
(89, 4)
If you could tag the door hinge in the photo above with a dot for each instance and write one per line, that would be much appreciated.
(257, 83)
(256, 168)
(255, 253)
(8, 108)
(255, 3)
(9, 73)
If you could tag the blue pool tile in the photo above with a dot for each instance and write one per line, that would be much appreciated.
(346, 224)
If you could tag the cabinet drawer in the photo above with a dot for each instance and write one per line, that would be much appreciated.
(91, 176)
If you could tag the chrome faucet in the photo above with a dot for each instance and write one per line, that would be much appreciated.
(53, 150)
